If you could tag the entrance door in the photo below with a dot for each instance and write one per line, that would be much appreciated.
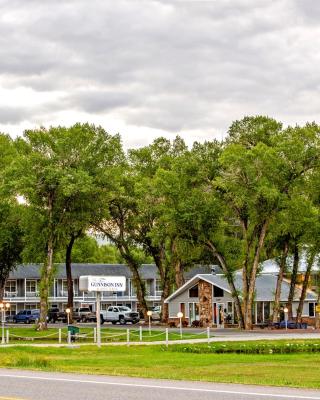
(183, 310)
(193, 312)
(220, 315)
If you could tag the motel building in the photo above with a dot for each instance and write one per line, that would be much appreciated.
(204, 297)
(207, 298)
(22, 287)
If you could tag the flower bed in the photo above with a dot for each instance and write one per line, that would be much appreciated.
(250, 348)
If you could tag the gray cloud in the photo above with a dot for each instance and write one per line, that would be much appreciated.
(9, 115)
(170, 65)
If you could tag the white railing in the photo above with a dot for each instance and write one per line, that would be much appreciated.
(10, 294)
(32, 294)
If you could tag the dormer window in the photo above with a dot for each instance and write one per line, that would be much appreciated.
(194, 291)
(217, 292)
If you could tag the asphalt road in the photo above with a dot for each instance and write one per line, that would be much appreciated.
(29, 385)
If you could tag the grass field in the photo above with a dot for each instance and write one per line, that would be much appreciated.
(296, 370)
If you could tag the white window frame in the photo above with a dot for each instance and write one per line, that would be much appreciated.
(11, 284)
(29, 292)
(314, 309)
(158, 290)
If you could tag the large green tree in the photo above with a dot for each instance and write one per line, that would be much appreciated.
(11, 215)
(65, 175)
(261, 163)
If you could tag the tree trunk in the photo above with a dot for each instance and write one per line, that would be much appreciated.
(2, 286)
(3, 280)
(164, 306)
(141, 290)
(158, 254)
(317, 319)
(180, 281)
(178, 267)
(138, 283)
(305, 286)
(293, 281)
(253, 277)
(124, 249)
(46, 279)
(69, 276)
(47, 271)
(282, 266)
(230, 280)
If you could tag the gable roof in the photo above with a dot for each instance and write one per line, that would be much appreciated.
(215, 280)
(271, 266)
(265, 287)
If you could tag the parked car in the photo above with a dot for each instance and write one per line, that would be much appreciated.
(120, 314)
(290, 325)
(54, 315)
(156, 313)
(92, 317)
(82, 314)
(27, 316)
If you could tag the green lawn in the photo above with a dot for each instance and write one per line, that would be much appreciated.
(296, 370)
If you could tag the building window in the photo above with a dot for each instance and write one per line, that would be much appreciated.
(194, 291)
(312, 310)
(64, 288)
(217, 292)
(133, 289)
(31, 287)
(158, 287)
(31, 306)
(229, 316)
(147, 285)
(194, 312)
(11, 289)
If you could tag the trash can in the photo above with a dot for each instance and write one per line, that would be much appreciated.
(74, 331)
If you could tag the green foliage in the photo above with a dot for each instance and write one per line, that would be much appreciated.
(87, 250)
(280, 347)
(11, 215)
(234, 202)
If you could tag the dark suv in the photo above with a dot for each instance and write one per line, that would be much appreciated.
(27, 316)
(55, 315)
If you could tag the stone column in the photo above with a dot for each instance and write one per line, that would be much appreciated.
(205, 303)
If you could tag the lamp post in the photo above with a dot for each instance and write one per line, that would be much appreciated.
(149, 313)
(285, 310)
(3, 308)
(180, 315)
(68, 315)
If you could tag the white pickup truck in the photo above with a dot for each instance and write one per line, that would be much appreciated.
(120, 314)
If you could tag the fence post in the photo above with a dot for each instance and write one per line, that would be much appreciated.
(128, 337)
(94, 335)
(208, 334)
(59, 335)
(140, 333)
(69, 337)
(8, 336)
(167, 337)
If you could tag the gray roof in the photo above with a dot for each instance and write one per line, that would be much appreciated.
(272, 265)
(148, 271)
(265, 287)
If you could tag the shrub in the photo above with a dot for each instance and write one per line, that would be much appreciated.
(195, 324)
(249, 348)
(172, 324)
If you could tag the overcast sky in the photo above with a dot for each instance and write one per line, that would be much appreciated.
(151, 68)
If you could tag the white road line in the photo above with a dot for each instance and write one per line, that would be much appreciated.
(177, 388)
